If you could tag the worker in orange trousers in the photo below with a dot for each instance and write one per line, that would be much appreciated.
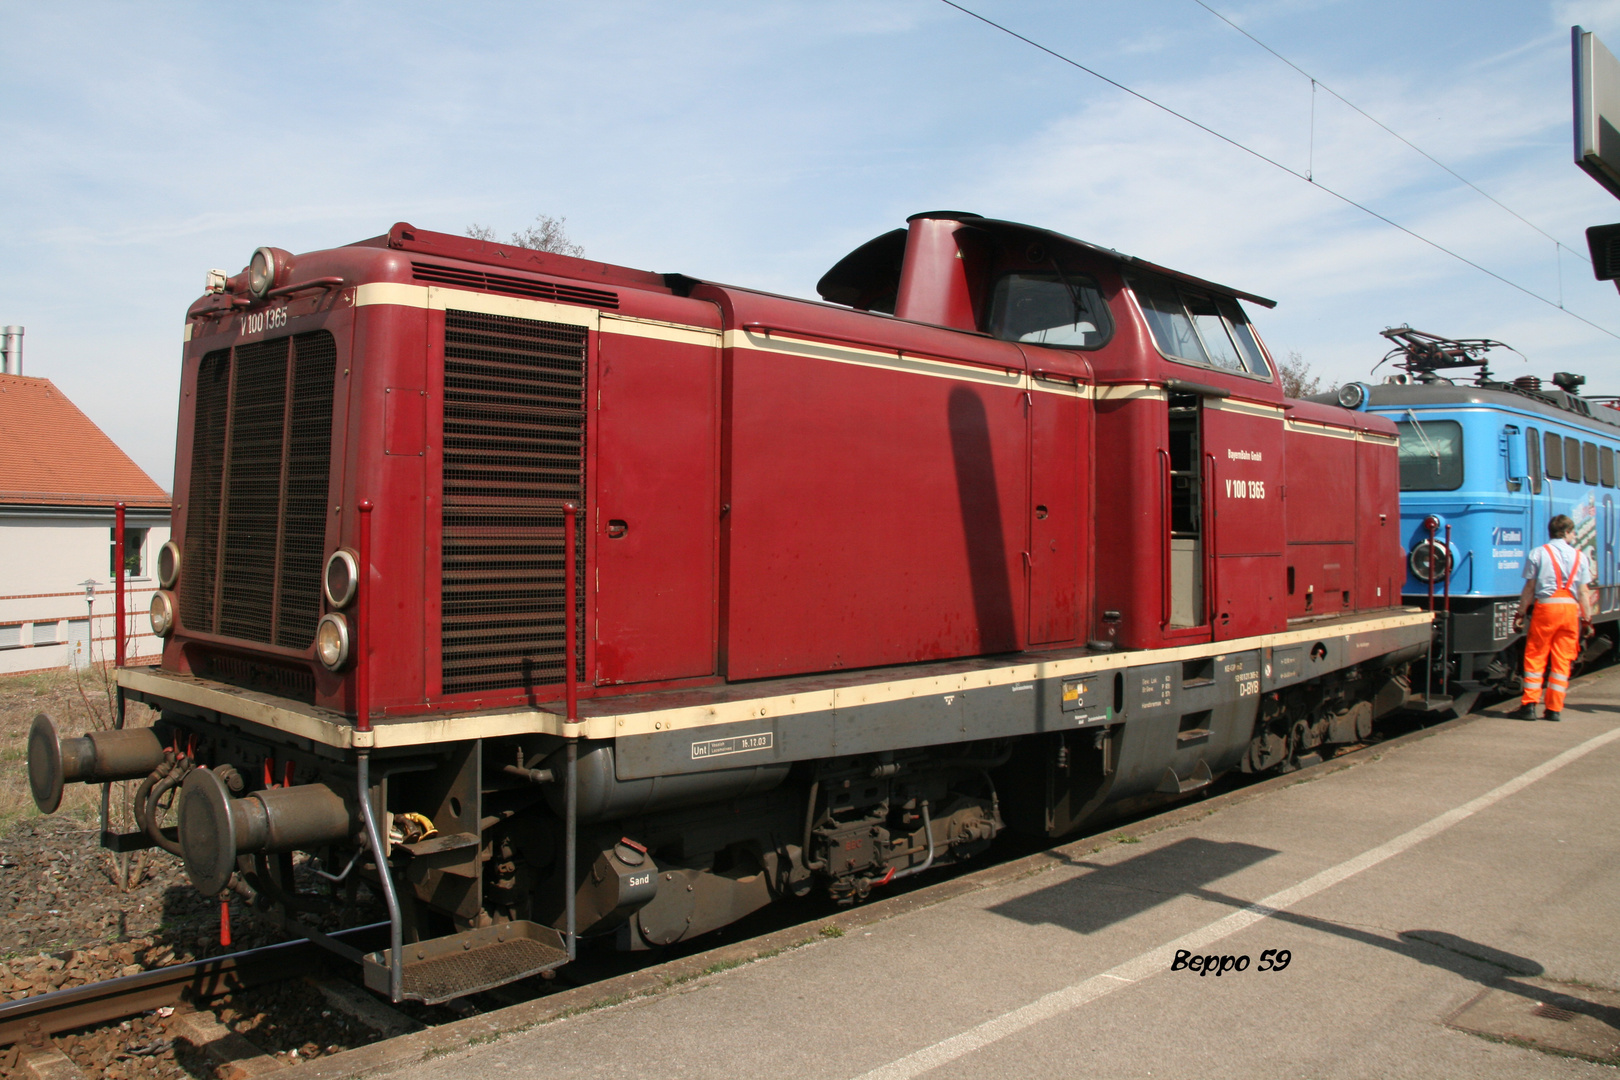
(1557, 593)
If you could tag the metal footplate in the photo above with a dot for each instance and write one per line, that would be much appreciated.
(459, 964)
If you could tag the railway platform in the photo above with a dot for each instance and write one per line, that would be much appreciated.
(1446, 906)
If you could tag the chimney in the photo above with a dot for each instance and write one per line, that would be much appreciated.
(944, 270)
(11, 351)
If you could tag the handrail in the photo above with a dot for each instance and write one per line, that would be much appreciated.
(362, 722)
(1164, 515)
(1211, 548)
(118, 599)
(1058, 376)
(362, 635)
(328, 283)
(571, 692)
(815, 336)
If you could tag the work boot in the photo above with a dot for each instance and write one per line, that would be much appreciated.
(1525, 712)
(1554, 714)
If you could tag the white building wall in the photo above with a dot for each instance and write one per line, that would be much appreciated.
(44, 562)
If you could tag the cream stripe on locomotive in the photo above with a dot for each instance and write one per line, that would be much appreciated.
(765, 341)
(332, 729)
(435, 298)
(1245, 408)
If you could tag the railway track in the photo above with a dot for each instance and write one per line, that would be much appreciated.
(182, 991)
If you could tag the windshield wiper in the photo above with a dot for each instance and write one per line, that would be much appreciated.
(1074, 293)
(1434, 451)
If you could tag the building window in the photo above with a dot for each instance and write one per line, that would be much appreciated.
(11, 636)
(134, 552)
(44, 633)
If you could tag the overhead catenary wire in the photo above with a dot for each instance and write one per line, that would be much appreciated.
(1279, 165)
(1318, 84)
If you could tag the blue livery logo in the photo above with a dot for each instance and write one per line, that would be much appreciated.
(1505, 535)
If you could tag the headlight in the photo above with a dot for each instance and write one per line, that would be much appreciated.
(168, 564)
(332, 641)
(262, 272)
(162, 613)
(342, 578)
(1351, 395)
(1430, 561)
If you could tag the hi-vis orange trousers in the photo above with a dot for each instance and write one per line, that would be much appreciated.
(1555, 628)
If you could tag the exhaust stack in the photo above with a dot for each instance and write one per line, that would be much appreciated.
(11, 351)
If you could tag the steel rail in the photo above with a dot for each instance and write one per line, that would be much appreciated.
(44, 1015)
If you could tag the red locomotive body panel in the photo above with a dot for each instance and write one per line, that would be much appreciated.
(773, 487)
(877, 480)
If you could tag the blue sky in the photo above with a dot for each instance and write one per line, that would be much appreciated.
(757, 142)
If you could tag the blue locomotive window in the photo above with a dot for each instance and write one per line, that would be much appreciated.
(1065, 310)
(1589, 463)
(1572, 460)
(1606, 466)
(1555, 456)
(1430, 455)
(1532, 447)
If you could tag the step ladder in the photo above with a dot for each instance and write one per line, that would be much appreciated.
(453, 966)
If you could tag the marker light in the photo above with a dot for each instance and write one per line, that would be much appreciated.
(162, 613)
(332, 641)
(168, 561)
(341, 579)
(267, 265)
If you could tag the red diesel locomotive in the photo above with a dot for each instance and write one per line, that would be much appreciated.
(556, 599)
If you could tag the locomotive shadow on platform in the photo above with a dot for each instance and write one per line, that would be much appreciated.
(1113, 893)
(980, 500)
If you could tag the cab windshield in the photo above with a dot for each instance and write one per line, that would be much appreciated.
(1430, 454)
(1065, 310)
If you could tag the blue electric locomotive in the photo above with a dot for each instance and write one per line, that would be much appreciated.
(1484, 465)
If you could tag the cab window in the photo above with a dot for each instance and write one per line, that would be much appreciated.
(1198, 328)
(1532, 447)
(1063, 310)
(1430, 455)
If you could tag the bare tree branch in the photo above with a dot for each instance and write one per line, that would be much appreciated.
(1297, 380)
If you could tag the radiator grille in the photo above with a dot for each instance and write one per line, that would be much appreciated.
(513, 286)
(253, 489)
(256, 516)
(309, 463)
(201, 567)
(514, 452)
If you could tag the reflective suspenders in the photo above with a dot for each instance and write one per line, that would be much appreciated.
(1562, 585)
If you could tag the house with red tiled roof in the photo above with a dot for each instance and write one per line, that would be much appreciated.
(60, 479)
